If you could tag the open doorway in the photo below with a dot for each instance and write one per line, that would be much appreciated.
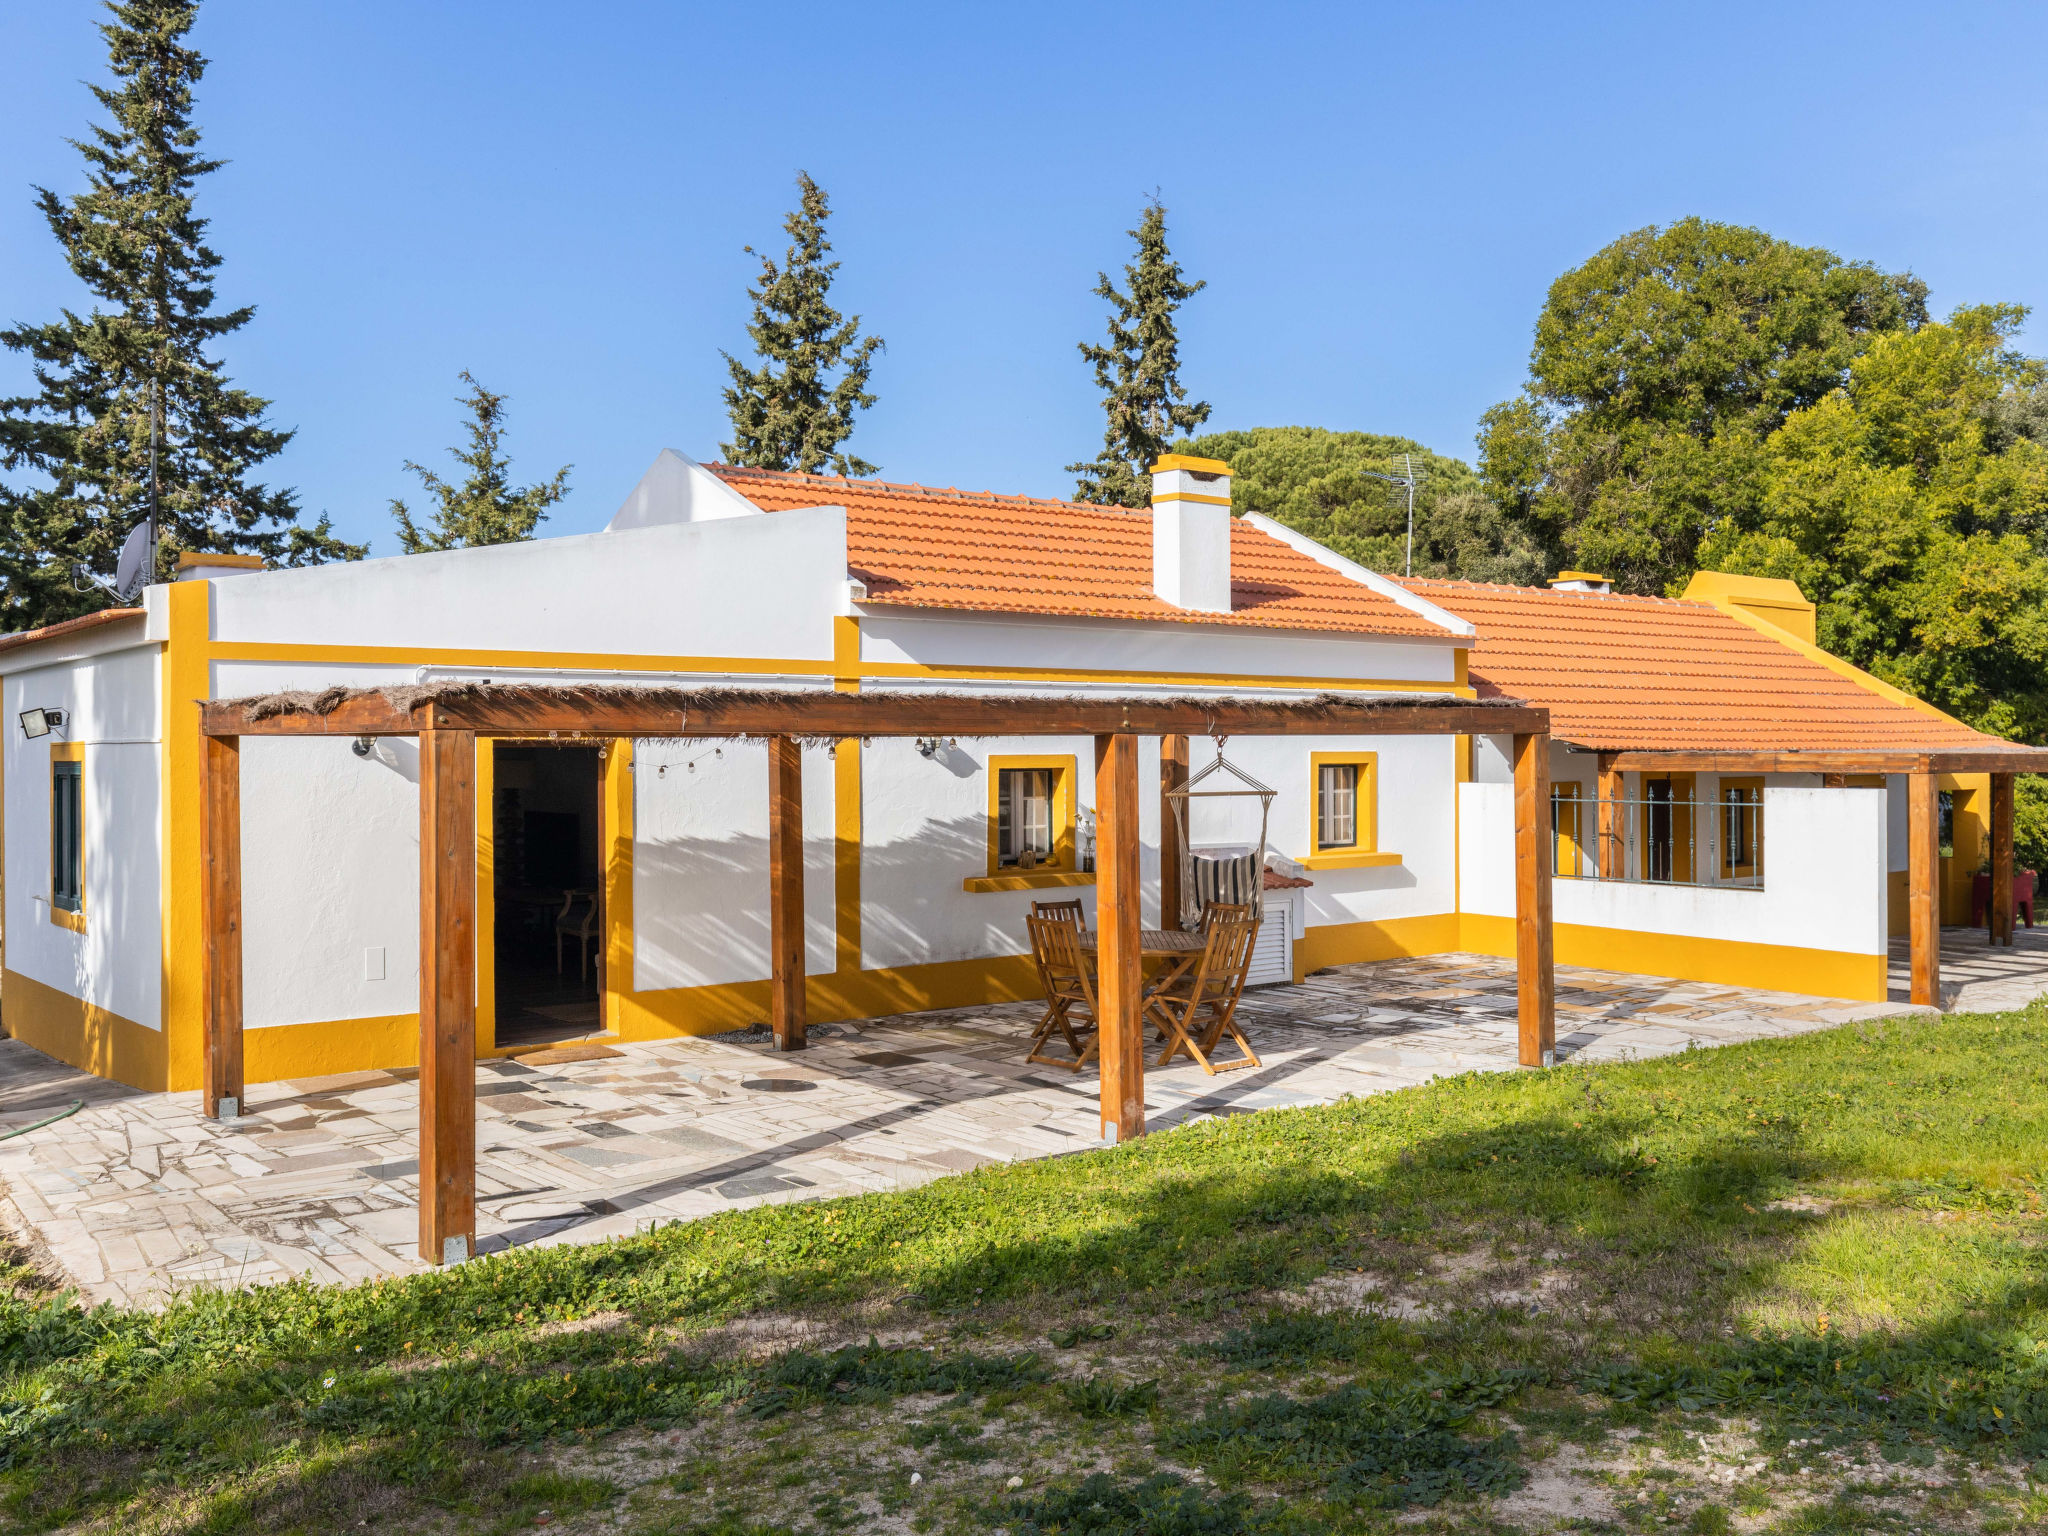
(547, 892)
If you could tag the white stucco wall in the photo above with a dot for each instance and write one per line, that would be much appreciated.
(925, 830)
(1417, 819)
(1061, 645)
(700, 863)
(111, 705)
(740, 587)
(1824, 882)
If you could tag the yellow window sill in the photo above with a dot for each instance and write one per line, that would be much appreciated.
(75, 921)
(1350, 859)
(1035, 880)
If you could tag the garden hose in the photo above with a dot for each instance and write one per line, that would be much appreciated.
(76, 1106)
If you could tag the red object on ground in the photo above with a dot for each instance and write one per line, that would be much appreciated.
(2022, 897)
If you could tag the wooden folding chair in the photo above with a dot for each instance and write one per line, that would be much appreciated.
(1195, 1013)
(1062, 911)
(1063, 970)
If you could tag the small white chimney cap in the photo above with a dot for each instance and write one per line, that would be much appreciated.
(1579, 581)
(203, 565)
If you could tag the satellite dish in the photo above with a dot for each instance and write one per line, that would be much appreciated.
(132, 571)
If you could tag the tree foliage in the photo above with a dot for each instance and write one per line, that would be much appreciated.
(1322, 483)
(1914, 514)
(790, 412)
(1660, 368)
(1138, 371)
(136, 243)
(484, 508)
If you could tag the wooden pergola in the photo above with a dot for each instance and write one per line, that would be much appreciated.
(1922, 771)
(450, 720)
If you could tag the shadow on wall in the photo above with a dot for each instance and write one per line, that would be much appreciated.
(912, 903)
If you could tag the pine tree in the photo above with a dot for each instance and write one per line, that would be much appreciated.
(1139, 372)
(484, 509)
(84, 437)
(787, 414)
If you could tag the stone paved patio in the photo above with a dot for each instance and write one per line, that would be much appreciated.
(137, 1197)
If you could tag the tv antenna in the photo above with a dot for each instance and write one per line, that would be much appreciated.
(1411, 476)
(137, 561)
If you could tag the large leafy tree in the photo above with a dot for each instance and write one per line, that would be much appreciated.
(1917, 521)
(1660, 367)
(790, 411)
(83, 437)
(1326, 484)
(1138, 371)
(485, 508)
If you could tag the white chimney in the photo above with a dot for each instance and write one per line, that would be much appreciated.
(1580, 581)
(1191, 533)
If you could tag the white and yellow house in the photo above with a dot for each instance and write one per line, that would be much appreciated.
(627, 884)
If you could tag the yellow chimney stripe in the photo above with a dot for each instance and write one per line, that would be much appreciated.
(1209, 501)
(1195, 466)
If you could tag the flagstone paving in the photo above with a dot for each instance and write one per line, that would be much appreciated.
(136, 1197)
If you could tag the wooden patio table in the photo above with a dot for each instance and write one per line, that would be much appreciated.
(1177, 949)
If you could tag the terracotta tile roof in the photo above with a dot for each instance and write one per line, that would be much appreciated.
(921, 547)
(1623, 673)
(63, 627)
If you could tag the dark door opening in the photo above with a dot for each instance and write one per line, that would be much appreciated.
(547, 878)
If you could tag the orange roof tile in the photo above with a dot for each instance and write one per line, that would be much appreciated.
(1621, 673)
(919, 547)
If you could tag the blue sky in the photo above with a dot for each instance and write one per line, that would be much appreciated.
(557, 197)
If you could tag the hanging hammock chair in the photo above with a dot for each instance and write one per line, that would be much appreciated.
(1239, 880)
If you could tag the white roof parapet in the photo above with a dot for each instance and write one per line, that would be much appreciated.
(1386, 586)
(677, 489)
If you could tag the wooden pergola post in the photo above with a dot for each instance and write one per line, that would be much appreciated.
(1535, 983)
(1613, 823)
(786, 892)
(1923, 895)
(220, 837)
(1119, 980)
(447, 995)
(2000, 915)
(1173, 774)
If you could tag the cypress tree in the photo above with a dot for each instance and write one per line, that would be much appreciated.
(484, 509)
(1139, 372)
(83, 437)
(787, 413)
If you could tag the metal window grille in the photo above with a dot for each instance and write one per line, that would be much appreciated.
(1024, 816)
(67, 852)
(1661, 837)
(1337, 806)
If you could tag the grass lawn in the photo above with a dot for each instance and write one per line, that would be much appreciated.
(1795, 1286)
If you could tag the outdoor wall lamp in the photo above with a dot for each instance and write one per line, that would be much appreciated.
(929, 747)
(40, 722)
(362, 746)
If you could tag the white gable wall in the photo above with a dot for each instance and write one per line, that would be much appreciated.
(111, 706)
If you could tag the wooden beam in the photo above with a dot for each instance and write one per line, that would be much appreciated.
(447, 996)
(1119, 982)
(1535, 980)
(1173, 774)
(220, 839)
(654, 712)
(786, 892)
(2000, 915)
(1923, 896)
(1613, 820)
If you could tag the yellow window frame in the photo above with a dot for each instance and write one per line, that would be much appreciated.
(69, 752)
(1567, 830)
(1062, 867)
(1365, 852)
(1730, 870)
